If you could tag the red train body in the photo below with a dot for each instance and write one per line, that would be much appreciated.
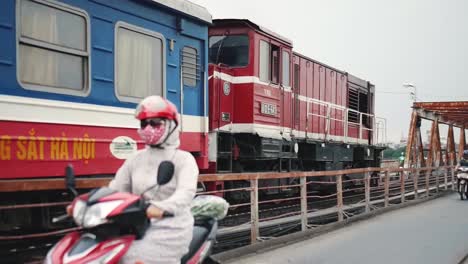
(273, 109)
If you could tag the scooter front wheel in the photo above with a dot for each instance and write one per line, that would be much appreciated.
(462, 191)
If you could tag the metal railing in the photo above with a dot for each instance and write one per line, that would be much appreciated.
(327, 112)
(343, 193)
(346, 195)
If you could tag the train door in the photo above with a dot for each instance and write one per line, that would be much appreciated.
(225, 98)
(286, 94)
(295, 94)
(192, 81)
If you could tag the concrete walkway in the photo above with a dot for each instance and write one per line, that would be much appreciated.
(432, 232)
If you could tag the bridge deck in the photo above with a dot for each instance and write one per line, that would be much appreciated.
(432, 232)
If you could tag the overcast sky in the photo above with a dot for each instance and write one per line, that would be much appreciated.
(424, 42)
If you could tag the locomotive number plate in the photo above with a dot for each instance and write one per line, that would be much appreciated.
(268, 109)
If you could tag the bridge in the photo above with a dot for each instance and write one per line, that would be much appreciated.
(430, 232)
(423, 230)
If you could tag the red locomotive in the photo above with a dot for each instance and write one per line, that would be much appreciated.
(272, 109)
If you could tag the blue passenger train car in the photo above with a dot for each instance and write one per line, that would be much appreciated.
(71, 73)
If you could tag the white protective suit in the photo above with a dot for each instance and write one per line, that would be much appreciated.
(167, 239)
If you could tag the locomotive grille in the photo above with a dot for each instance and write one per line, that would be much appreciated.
(353, 103)
(190, 63)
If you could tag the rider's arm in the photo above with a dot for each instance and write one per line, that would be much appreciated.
(121, 181)
(186, 176)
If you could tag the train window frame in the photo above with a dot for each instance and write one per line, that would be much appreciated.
(233, 35)
(27, 41)
(143, 31)
(267, 60)
(192, 80)
(275, 56)
(288, 70)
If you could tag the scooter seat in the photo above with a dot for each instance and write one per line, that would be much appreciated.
(200, 235)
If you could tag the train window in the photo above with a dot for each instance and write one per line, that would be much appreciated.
(285, 69)
(139, 63)
(264, 73)
(190, 67)
(53, 47)
(274, 64)
(231, 50)
(297, 71)
(296, 77)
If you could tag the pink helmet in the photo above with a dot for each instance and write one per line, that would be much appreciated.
(156, 107)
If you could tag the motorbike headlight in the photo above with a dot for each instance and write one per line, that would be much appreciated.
(97, 213)
(48, 258)
(106, 258)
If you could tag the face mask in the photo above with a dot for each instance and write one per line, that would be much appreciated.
(152, 135)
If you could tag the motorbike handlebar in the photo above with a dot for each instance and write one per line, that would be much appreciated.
(167, 214)
(60, 218)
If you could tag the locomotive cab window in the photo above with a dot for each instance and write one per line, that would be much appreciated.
(274, 56)
(231, 50)
(269, 63)
(53, 49)
(264, 64)
(139, 63)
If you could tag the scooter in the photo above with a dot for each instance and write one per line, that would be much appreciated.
(462, 181)
(110, 221)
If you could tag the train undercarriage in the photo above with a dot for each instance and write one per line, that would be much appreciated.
(239, 153)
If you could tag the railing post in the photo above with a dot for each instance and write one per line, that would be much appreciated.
(446, 179)
(339, 196)
(254, 234)
(387, 187)
(402, 186)
(346, 125)
(304, 221)
(327, 125)
(360, 125)
(437, 182)
(415, 180)
(367, 190)
(428, 171)
(453, 177)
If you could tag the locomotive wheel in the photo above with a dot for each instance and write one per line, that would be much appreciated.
(375, 180)
(237, 196)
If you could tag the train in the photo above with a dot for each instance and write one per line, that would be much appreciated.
(72, 72)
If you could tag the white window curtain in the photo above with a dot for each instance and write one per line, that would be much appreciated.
(139, 64)
(38, 23)
(51, 66)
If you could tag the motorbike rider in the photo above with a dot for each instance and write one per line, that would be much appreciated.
(167, 239)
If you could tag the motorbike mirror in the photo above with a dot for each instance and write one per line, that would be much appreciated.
(70, 179)
(165, 172)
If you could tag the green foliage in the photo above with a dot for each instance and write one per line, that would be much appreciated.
(391, 153)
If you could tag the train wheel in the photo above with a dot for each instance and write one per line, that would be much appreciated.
(236, 197)
(375, 180)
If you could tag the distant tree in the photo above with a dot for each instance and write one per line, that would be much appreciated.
(392, 153)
